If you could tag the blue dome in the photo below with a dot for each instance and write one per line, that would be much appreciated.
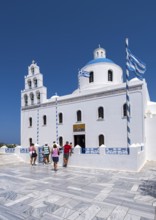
(100, 60)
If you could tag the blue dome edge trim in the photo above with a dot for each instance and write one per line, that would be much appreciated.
(100, 60)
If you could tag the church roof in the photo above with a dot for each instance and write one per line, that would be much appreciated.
(100, 60)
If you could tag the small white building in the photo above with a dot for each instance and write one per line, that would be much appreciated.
(94, 114)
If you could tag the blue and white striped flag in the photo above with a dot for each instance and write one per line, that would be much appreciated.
(135, 65)
(84, 73)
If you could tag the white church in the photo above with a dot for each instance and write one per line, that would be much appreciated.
(94, 115)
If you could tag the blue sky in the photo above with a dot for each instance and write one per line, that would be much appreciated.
(61, 36)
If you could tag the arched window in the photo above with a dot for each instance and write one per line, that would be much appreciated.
(101, 139)
(30, 141)
(29, 84)
(110, 75)
(35, 82)
(79, 115)
(44, 120)
(25, 99)
(60, 118)
(32, 70)
(61, 141)
(30, 122)
(91, 77)
(100, 112)
(32, 98)
(125, 110)
(38, 97)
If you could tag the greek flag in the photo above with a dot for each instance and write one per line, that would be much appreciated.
(84, 73)
(135, 65)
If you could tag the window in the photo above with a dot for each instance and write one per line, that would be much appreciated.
(61, 141)
(32, 98)
(25, 100)
(101, 139)
(125, 110)
(38, 97)
(44, 120)
(35, 82)
(100, 113)
(79, 115)
(30, 141)
(60, 118)
(29, 84)
(91, 77)
(110, 75)
(32, 70)
(30, 122)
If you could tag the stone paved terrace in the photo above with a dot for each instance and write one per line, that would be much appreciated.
(38, 192)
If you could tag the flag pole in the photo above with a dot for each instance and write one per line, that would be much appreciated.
(56, 105)
(37, 139)
(78, 81)
(127, 102)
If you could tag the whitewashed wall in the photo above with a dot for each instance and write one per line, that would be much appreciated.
(132, 162)
(113, 126)
(150, 138)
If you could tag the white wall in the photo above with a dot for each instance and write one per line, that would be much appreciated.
(101, 76)
(151, 138)
(132, 162)
(113, 126)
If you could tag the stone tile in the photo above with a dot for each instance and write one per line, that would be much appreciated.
(63, 212)
(74, 216)
(72, 203)
(118, 213)
(142, 214)
(134, 187)
(142, 218)
(35, 193)
(81, 207)
(132, 217)
(101, 196)
(89, 213)
(98, 218)
(105, 212)
(48, 216)
(140, 207)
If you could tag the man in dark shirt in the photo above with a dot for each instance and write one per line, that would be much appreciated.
(66, 153)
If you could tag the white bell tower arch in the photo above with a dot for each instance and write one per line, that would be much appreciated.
(34, 92)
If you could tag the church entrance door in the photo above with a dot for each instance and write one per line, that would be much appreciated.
(80, 140)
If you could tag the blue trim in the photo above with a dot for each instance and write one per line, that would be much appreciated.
(100, 60)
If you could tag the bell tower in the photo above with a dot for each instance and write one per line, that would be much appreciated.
(34, 92)
(99, 53)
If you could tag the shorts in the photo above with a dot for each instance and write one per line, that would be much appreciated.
(46, 156)
(55, 159)
(33, 155)
(66, 156)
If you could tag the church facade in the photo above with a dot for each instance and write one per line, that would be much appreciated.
(94, 114)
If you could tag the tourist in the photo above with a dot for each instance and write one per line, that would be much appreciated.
(66, 153)
(72, 148)
(33, 154)
(46, 153)
(55, 156)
